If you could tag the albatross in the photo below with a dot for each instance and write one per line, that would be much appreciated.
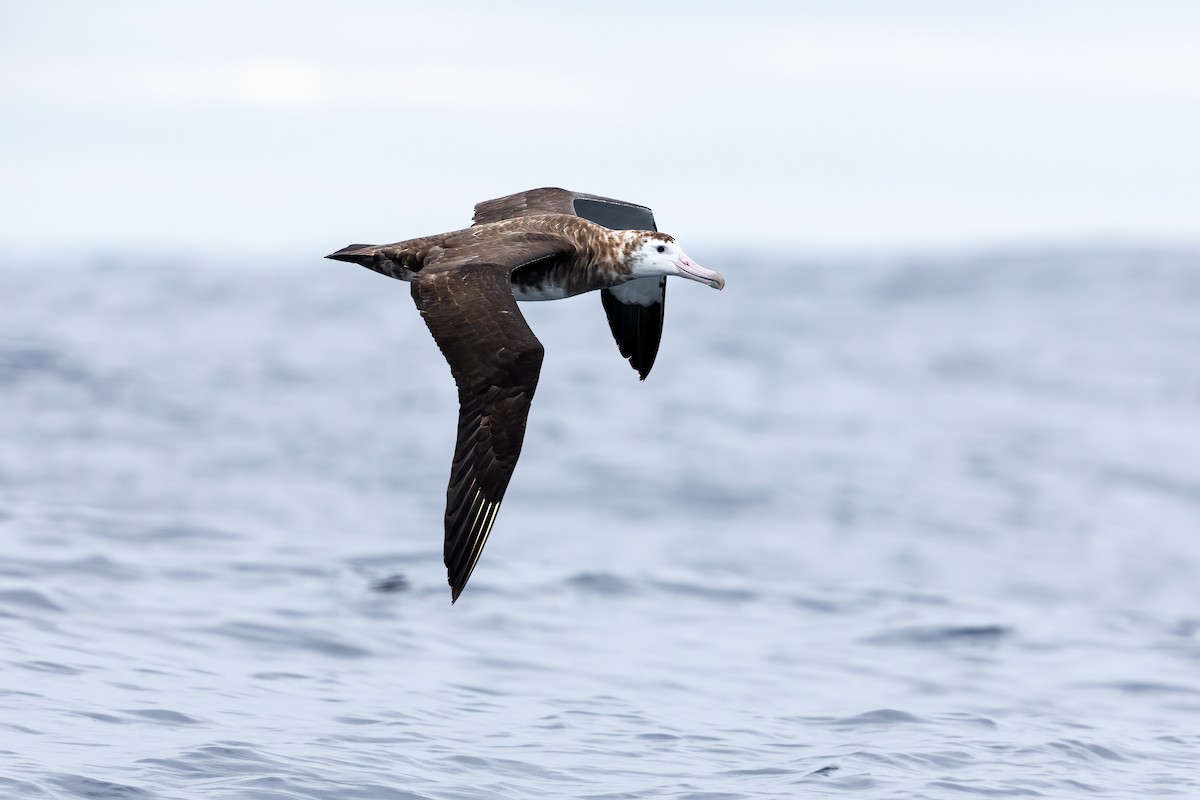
(531, 245)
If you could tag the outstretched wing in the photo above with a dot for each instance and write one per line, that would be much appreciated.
(495, 359)
(635, 316)
(615, 214)
(635, 309)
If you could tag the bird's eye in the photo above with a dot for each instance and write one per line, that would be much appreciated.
(662, 248)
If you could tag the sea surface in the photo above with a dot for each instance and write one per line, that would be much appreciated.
(921, 527)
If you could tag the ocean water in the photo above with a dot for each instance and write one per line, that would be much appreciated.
(893, 528)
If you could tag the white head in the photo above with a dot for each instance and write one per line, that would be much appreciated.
(652, 254)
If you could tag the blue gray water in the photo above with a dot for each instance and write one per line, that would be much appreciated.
(872, 529)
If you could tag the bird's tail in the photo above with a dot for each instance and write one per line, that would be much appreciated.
(362, 254)
(401, 260)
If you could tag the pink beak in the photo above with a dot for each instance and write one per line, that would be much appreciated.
(690, 269)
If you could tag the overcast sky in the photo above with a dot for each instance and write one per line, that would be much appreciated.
(288, 127)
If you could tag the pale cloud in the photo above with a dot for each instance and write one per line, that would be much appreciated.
(284, 84)
(252, 83)
(292, 83)
(963, 61)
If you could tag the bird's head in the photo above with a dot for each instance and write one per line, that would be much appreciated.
(653, 254)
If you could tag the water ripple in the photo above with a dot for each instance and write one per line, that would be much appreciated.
(942, 634)
(289, 637)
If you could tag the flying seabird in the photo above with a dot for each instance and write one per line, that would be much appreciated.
(532, 245)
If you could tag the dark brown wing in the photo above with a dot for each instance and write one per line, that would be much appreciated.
(468, 304)
(525, 204)
(635, 316)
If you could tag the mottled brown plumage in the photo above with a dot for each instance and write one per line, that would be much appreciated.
(465, 284)
(635, 312)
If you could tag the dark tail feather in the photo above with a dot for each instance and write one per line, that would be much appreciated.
(382, 258)
(356, 254)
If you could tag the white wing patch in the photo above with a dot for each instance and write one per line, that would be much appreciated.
(639, 291)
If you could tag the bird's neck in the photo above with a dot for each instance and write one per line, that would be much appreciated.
(618, 246)
(595, 245)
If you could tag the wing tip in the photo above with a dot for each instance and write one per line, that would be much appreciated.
(458, 583)
(461, 566)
